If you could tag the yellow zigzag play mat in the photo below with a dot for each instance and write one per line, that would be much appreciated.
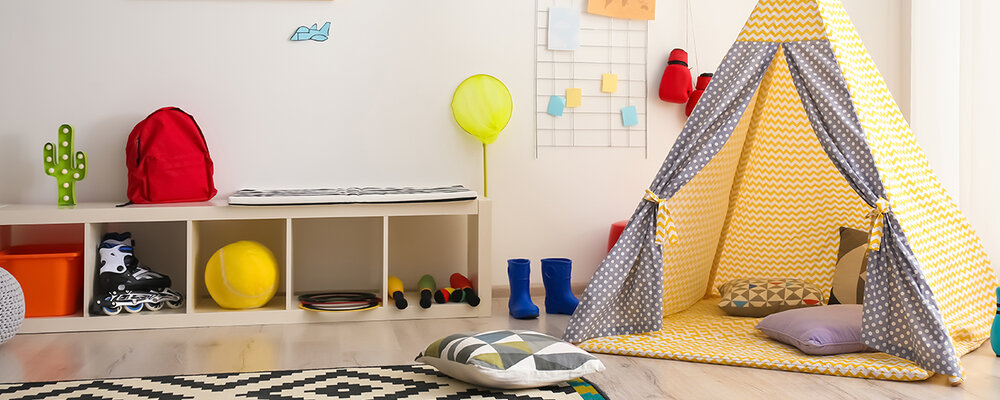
(703, 333)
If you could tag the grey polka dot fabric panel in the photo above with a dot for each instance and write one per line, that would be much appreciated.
(625, 295)
(900, 315)
(825, 96)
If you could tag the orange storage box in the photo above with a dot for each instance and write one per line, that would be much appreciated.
(51, 277)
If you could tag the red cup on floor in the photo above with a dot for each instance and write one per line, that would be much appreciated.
(616, 232)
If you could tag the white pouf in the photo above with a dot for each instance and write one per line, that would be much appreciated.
(11, 306)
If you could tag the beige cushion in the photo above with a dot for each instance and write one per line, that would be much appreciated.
(757, 297)
(852, 268)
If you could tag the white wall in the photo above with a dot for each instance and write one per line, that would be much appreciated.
(883, 26)
(954, 112)
(935, 36)
(367, 107)
(980, 121)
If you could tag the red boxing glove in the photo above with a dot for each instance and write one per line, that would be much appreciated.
(675, 86)
(699, 90)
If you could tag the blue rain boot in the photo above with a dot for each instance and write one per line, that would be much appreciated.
(995, 333)
(559, 298)
(520, 305)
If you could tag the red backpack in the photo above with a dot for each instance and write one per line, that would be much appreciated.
(168, 160)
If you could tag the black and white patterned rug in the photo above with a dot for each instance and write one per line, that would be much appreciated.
(369, 383)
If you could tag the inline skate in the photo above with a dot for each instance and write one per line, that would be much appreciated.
(124, 283)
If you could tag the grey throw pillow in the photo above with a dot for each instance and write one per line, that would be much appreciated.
(818, 330)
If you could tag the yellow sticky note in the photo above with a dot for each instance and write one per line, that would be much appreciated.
(573, 97)
(609, 83)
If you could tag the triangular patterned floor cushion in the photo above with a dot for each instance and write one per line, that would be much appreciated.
(509, 359)
(755, 297)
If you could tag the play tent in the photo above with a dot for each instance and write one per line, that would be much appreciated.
(796, 136)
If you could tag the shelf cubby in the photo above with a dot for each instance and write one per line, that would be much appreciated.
(159, 245)
(68, 237)
(337, 254)
(435, 245)
(439, 245)
(208, 236)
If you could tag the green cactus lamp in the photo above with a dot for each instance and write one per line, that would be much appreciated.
(66, 166)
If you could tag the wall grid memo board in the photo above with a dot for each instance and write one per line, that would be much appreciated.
(606, 45)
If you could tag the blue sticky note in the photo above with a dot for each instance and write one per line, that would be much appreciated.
(556, 106)
(564, 28)
(629, 116)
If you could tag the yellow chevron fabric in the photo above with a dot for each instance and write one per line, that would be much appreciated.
(699, 210)
(951, 256)
(705, 334)
(665, 228)
(783, 21)
(734, 192)
(790, 200)
(878, 224)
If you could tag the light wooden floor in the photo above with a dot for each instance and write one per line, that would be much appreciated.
(42, 357)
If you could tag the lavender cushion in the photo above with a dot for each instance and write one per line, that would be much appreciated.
(826, 330)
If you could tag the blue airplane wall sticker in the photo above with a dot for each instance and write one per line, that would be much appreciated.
(311, 33)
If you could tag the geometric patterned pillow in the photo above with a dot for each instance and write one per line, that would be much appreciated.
(756, 297)
(509, 359)
(852, 268)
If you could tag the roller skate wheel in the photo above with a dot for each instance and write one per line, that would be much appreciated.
(175, 304)
(112, 310)
(133, 309)
(154, 306)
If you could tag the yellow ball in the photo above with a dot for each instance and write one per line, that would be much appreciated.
(242, 275)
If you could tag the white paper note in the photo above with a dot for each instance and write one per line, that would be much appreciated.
(564, 28)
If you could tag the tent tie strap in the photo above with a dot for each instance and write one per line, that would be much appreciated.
(665, 227)
(877, 216)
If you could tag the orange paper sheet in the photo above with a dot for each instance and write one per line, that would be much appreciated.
(629, 9)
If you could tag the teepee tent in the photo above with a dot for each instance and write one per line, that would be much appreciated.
(796, 136)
